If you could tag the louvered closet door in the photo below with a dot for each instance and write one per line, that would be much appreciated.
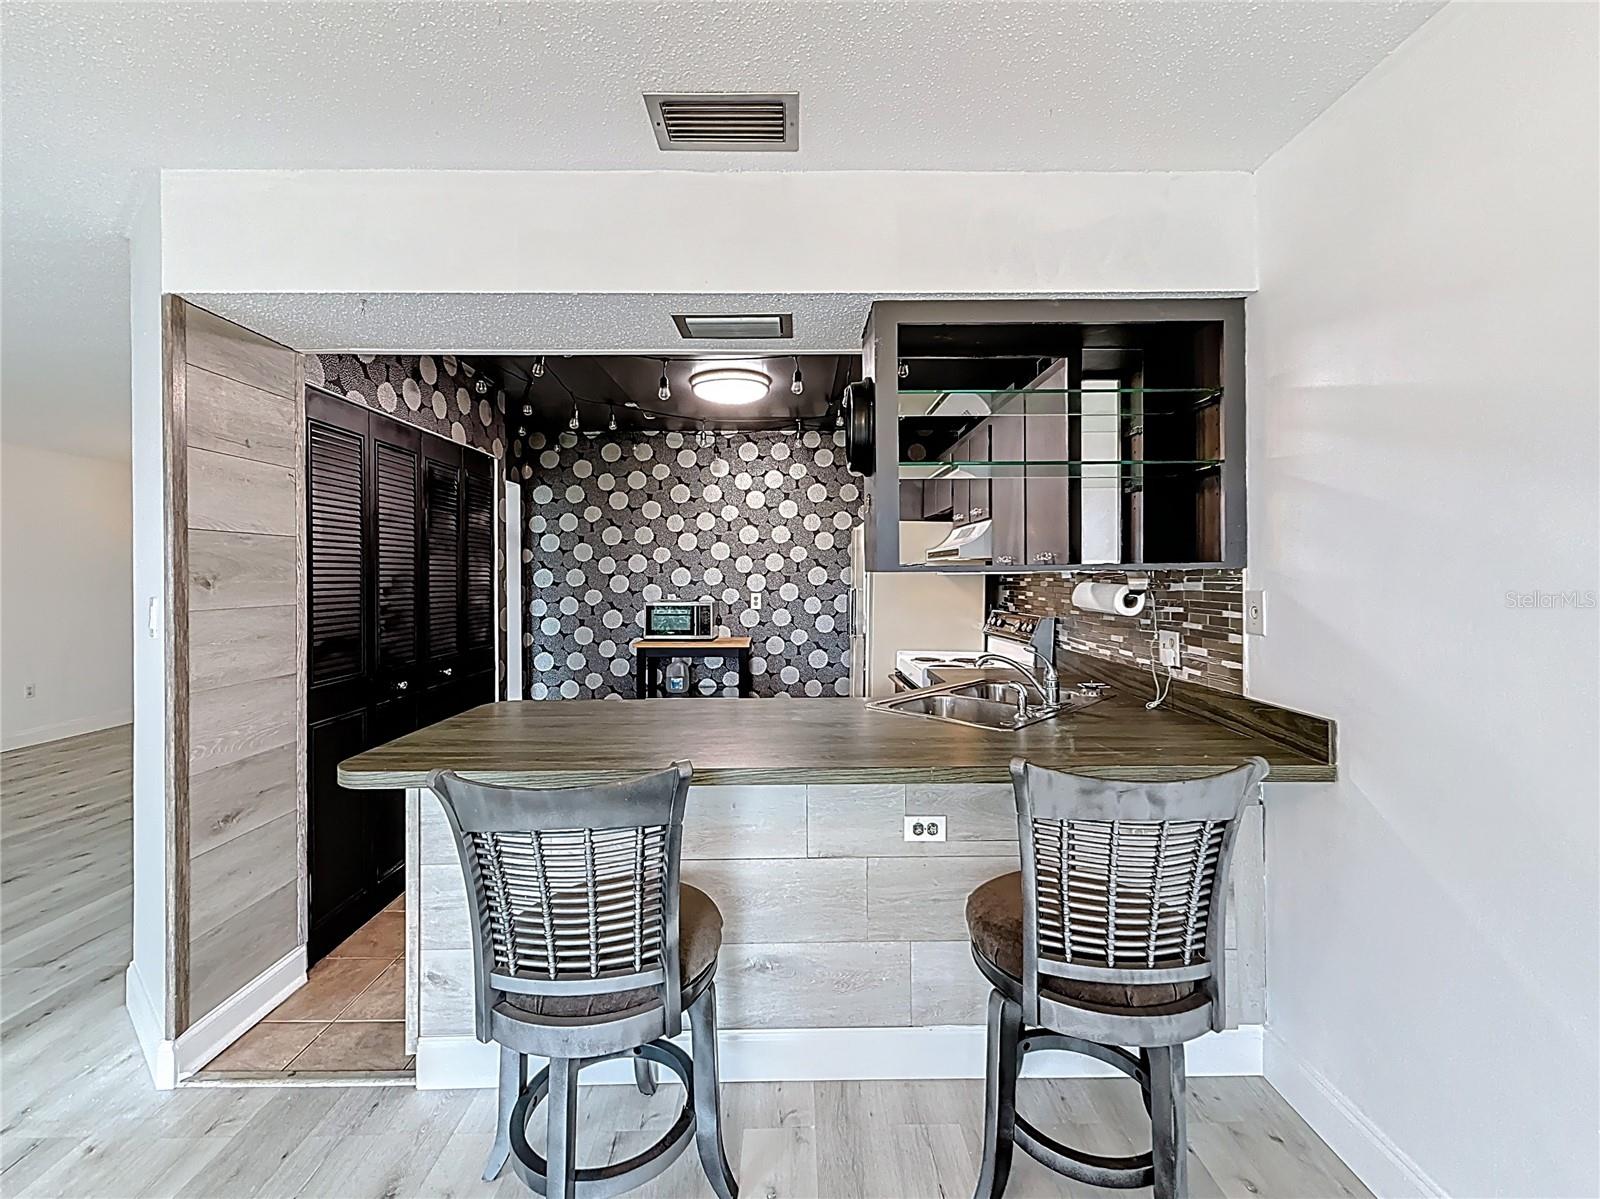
(441, 548)
(396, 710)
(340, 823)
(478, 576)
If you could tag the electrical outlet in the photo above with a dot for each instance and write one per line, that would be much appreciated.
(925, 828)
(1169, 647)
(1255, 613)
(755, 601)
(28, 691)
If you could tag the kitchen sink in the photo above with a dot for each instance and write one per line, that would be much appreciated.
(985, 705)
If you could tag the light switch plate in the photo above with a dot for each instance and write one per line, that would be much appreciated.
(1255, 613)
(925, 828)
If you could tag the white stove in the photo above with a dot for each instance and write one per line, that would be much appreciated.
(913, 664)
(1009, 634)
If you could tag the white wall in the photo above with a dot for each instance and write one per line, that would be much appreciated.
(1423, 371)
(66, 590)
(880, 232)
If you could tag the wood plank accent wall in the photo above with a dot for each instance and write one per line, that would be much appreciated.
(831, 919)
(238, 653)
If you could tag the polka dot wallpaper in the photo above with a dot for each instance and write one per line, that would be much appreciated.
(433, 392)
(614, 523)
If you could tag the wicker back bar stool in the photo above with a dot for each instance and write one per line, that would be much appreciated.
(1110, 937)
(586, 947)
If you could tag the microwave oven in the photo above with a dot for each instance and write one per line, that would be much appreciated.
(690, 618)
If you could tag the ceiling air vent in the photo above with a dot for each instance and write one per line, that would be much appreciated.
(774, 325)
(725, 121)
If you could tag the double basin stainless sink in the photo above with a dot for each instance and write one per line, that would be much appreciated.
(988, 704)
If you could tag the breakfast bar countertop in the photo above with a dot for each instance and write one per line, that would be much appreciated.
(823, 741)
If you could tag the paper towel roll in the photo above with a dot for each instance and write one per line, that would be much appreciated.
(1117, 599)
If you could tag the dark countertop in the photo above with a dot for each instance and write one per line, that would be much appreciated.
(765, 741)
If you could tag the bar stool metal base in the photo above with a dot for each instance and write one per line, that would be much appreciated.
(1159, 1069)
(602, 1182)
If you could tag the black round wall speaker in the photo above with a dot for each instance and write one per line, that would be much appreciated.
(859, 418)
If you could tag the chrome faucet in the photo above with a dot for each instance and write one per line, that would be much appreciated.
(1045, 682)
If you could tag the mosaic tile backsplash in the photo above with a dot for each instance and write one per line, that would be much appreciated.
(614, 522)
(1206, 606)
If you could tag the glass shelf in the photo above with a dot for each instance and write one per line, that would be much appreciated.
(1135, 402)
(1063, 468)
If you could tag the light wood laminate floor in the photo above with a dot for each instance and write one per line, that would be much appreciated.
(78, 1116)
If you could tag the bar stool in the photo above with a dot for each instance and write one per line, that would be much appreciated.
(586, 947)
(1110, 936)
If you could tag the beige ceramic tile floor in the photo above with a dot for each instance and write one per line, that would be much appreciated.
(350, 1015)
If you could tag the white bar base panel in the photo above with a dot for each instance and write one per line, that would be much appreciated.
(843, 1054)
(1376, 1160)
(171, 1062)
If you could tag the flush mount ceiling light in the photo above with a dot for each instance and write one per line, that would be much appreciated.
(730, 385)
(768, 325)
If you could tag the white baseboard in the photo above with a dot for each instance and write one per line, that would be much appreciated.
(237, 1014)
(1383, 1166)
(147, 1028)
(827, 1054)
(169, 1061)
(40, 734)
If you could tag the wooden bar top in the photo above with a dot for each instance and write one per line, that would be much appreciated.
(768, 741)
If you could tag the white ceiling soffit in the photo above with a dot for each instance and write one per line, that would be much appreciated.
(551, 323)
(544, 323)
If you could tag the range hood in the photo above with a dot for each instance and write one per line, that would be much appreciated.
(967, 543)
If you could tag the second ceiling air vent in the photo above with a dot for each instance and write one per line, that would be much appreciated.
(725, 121)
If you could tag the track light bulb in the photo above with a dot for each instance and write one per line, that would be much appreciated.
(573, 422)
(611, 420)
(798, 386)
(663, 388)
(537, 369)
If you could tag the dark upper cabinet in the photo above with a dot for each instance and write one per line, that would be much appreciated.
(1132, 440)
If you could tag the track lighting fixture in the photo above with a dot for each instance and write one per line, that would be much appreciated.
(663, 388)
(537, 369)
(611, 420)
(482, 385)
(904, 370)
(527, 410)
(522, 430)
(798, 386)
(705, 438)
(573, 422)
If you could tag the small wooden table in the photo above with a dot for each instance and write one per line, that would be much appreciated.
(650, 652)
